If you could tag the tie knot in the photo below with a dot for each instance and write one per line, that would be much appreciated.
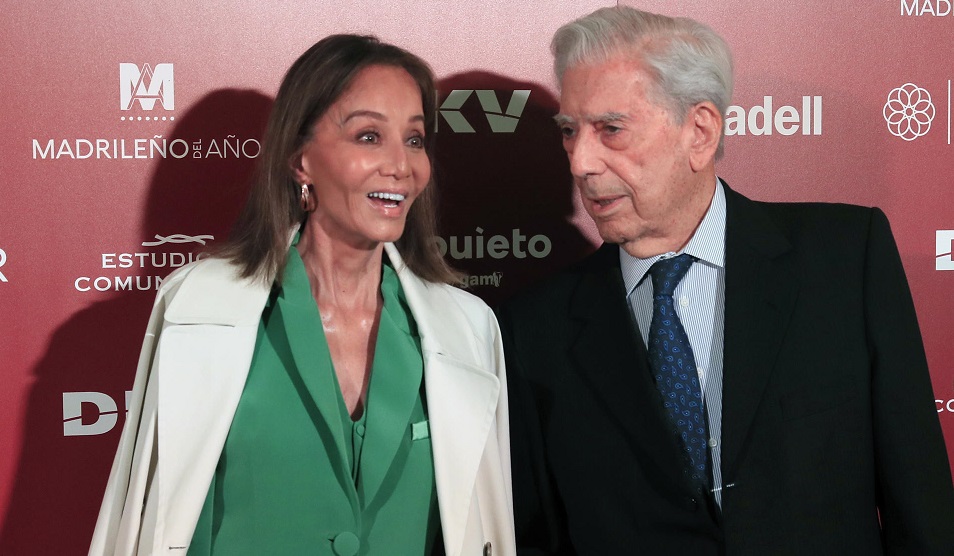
(667, 273)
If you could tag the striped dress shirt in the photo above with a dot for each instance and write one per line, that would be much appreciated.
(700, 303)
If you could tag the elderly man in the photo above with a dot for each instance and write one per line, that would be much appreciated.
(723, 376)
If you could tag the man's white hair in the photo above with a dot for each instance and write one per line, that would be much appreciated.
(687, 61)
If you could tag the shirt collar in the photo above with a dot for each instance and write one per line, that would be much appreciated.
(707, 244)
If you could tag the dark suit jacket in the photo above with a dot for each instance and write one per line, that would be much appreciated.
(830, 439)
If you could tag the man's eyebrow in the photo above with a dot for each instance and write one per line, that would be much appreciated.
(606, 117)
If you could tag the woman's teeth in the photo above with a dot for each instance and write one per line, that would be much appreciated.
(387, 196)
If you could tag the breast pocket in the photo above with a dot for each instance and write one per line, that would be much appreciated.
(420, 431)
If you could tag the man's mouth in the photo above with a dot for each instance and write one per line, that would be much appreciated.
(604, 203)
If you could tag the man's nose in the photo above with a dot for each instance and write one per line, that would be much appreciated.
(584, 154)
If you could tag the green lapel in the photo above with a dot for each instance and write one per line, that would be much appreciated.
(309, 348)
(394, 390)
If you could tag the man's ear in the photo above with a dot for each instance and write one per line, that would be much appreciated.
(705, 124)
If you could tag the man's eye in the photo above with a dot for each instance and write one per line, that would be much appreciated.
(611, 129)
(567, 132)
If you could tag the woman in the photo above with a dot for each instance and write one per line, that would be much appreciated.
(317, 387)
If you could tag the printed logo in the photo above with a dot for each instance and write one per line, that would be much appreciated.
(177, 238)
(926, 7)
(106, 417)
(908, 112)
(764, 119)
(492, 279)
(945, 241)
(3, 261)
(146, 96)
(945, 406)
(147, 85)
(141, 260)
(500, 121)
(157, 147)
(497, 246)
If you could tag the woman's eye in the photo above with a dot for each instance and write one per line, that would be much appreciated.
(369, 137)
(417, 142)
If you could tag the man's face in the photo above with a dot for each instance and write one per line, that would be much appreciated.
(629, 159)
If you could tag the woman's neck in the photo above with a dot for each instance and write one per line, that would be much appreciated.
(341, 274)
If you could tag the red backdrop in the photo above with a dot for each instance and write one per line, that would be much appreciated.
(130, 130)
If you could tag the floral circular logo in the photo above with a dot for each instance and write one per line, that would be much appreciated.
(909, 112)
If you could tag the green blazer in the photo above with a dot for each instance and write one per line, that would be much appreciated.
(297, 475)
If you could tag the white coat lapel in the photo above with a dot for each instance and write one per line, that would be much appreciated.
(203, 361)
(461, 397)
(460, 401)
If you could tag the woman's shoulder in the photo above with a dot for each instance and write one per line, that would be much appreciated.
(465, 296)
(211, 289)
(480, 318)
(203, 266)
(470, 303)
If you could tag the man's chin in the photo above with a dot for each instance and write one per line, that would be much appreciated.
(611, 234)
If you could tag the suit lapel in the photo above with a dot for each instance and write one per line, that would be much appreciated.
(203, 361)
(610, 356)
(461, 397)
(462, 400)
(395, 386)
(319, 391)
(761, 287)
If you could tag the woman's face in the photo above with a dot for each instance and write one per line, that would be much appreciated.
(366, 158)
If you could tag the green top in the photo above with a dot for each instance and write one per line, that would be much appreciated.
(297, 475)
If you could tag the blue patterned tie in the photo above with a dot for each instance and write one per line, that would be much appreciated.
(673, 365)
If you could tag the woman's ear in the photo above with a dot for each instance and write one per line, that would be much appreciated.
(706, 128)
(297, 166)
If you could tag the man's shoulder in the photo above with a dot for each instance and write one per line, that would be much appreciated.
(801, 212)
(553, 293)
(816, 211)
(818, 237)
(802, 221)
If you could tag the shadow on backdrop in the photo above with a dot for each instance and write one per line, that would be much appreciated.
(506, 193)
(60, 479)
(506, 203)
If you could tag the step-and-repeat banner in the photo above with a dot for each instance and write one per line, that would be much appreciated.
(130, 130)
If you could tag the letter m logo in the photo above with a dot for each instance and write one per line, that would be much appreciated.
(147, 85)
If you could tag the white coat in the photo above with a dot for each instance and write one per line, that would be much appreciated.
(191, 373)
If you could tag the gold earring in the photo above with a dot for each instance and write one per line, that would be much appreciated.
(307, 203)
